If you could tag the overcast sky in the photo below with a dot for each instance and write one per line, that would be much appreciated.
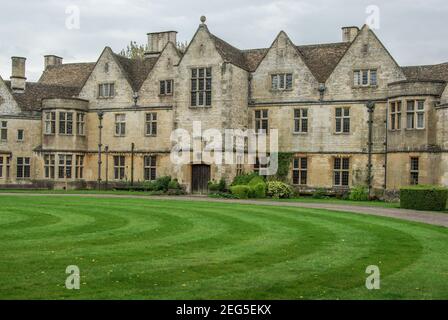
(414, 31)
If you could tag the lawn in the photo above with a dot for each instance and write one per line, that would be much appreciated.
(163, 249)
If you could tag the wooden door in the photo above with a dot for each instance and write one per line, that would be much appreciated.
(200, 176)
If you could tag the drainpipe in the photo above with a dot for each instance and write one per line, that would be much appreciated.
(132, 163)
(370, 109)
(106, 149)
(100, 127)
(386, 146)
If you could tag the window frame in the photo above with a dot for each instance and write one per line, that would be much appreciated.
(361, 74)
(300, 171)
(261, 122)
(24, 167)
(66, 123)
(414, 172)
(164, 84)
(195, 87)
(65, 166)
(111, 93)
(149, 167)
(395, 115)
(3, 131)
(119, 167)
(282, 81)
(300, 119)
(1, 166)
(120, 125)
(341, 171)
(80, 123)
(151, 124)
(49, 166)
(20, 135)
(50, 123)
(342, 120)
(79, 166)
(418, 109)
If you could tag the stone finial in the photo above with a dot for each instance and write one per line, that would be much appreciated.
(203, 19)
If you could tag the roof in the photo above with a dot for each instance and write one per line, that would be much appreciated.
(31, 99)
(436, 72)
(136, 70)
(67, 75)
(230, 53)
(322, 59)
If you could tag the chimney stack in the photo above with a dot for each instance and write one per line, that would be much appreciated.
(158, 40)
(18, 79)
(52, 60)
(349, 33)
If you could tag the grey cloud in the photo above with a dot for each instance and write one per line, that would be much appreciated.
(413, 30)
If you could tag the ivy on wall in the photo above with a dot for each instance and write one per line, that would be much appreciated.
(284, 164)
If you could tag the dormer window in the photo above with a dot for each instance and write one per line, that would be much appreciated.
(365, 78)
(281, 81)
(106, 90)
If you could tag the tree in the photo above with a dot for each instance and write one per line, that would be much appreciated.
(134, 50)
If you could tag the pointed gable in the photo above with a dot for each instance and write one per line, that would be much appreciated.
(283, 57)
(8, 104)
(365, 52)
(163, 69)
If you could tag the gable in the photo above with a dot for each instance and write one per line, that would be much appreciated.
(202, 47)
(163, 69)
(365, 52)
(283, 57)
(107, 70)
(8, 105)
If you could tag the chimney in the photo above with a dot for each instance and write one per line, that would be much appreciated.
(349, 33)
(158, 40)
(52, 60)
(18, 79)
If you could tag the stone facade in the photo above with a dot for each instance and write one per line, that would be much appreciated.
(321, 79)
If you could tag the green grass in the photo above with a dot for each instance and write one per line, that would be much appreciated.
(163, 249)
(382, 204)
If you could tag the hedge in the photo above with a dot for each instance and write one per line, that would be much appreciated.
(421, 197)
(242, 192)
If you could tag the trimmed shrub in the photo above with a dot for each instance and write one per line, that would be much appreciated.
(258, 191)
(162, 183)
(174, 185)
(319, 193)
(222, 195)
(241, 192)
(278, 190)
(422, 197)
(213, 186)
(256, 180)
(359, 193)
(244, 179)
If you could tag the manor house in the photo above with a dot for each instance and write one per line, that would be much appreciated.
(346, 112)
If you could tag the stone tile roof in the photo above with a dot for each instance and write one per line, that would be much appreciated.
(67, 74)
(322, 59)
(31, 99)
(436, 72)
(136, 70)
(230, 53)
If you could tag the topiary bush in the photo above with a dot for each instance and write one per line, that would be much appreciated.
(422, 197)
(241, 192)
(258, 191)
(278, 190)
(244, 179)
(359, 193)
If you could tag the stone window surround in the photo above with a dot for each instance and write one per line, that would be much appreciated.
(52, 122)
(190, 76)
(149, 167)
(301, 132)
(165, 81)
(106, 83)
(151, 122)
(261, 120)
(284, 73)
(120, 125)
(414, 172)
(25, 167)
(398, 125)
(79, 124)
(66, 121)
(300, 170)
(416, 111)
(361, 69)
(3, 130)
(342, 123)
(20, 135)
(341, 170)
(119, 165)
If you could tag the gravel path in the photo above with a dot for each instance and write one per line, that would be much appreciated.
(434, 218)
